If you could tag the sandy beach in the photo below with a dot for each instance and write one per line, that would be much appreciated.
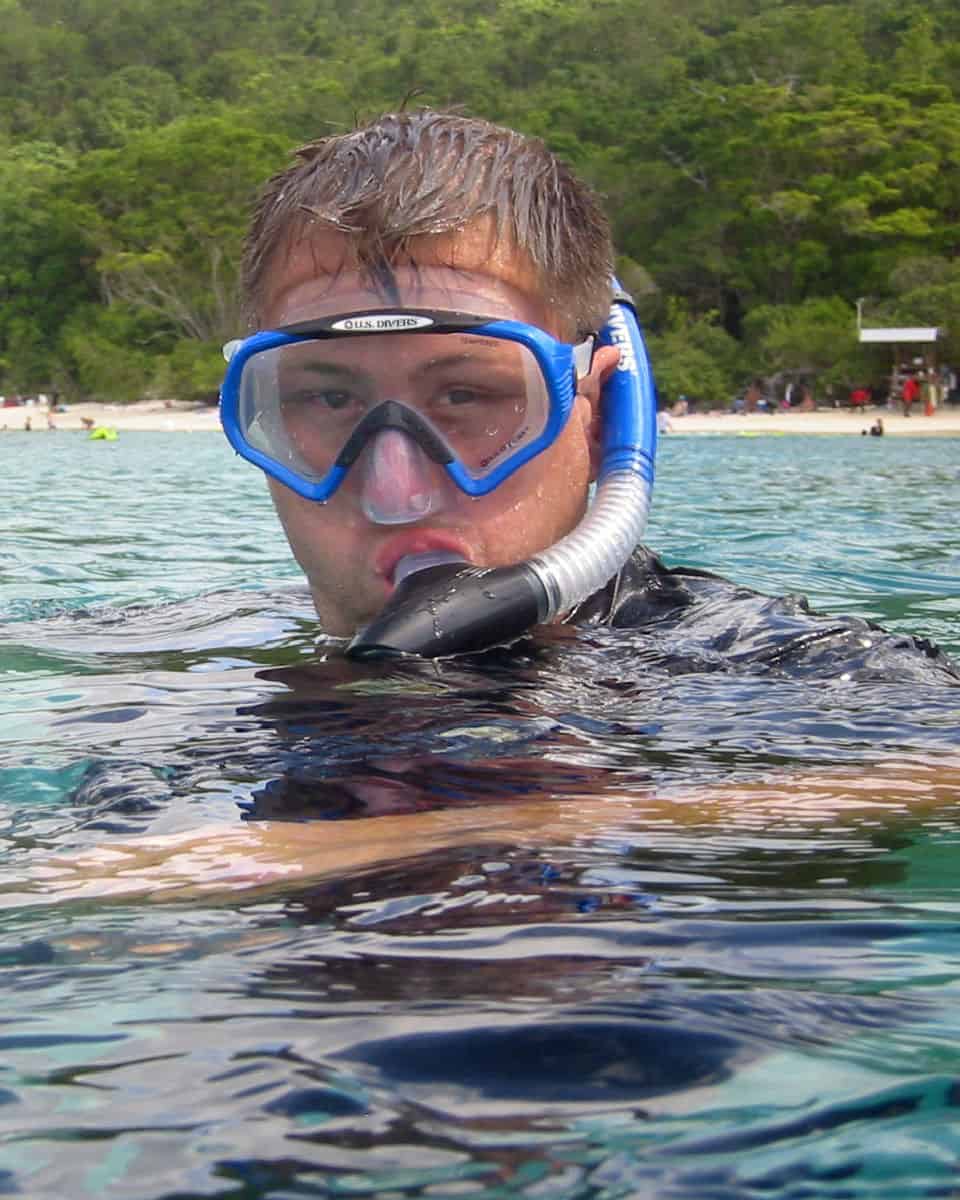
(153, 415)
(183, 418)
(943, 422)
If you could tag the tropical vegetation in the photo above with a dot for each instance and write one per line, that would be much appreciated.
(766, 165)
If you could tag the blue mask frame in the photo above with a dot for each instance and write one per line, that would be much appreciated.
(557, 361)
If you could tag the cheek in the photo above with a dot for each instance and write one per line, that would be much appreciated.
(314, 531)
(568, 470)
(287, 506)
(545, 500)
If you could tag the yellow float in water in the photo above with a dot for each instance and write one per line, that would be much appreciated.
(102, 433)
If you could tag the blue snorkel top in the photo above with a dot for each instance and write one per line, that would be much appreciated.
(630, 397)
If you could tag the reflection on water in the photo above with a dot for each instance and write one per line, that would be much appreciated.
(617, 930)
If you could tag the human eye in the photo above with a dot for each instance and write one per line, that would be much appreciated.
(331, 398)
(320, 397)
(487, 388)
(462, 396)
(475, 382)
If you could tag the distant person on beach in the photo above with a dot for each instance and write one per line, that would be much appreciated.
(753, 397)
(951, 392)
(931, 392)
(429, 213)
(909, 393)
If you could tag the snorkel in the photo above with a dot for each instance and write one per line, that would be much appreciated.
(446, 608)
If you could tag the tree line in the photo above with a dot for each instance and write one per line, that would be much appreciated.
(765, 165)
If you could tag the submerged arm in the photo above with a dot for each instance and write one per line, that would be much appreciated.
(222, 860)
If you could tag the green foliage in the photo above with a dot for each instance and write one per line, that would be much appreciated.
(817, 336)
(102, 358)
(46, 267)
(924, 291)
(191, 371)
(769, 162)
(123, 103)
(695, 358)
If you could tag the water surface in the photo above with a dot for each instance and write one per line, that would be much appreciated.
(615, 931)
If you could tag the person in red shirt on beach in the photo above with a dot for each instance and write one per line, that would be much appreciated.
(911, 389)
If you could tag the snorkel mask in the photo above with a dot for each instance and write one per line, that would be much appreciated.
(483, 396)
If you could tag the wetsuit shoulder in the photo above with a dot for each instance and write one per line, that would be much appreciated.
(707, 622)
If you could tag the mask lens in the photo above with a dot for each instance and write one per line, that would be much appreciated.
(484, 397)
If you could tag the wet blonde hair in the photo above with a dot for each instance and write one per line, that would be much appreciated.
(414, 174)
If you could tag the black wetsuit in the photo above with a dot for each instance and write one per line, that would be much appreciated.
(701, 622)
(673, 676)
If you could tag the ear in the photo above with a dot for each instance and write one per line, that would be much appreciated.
(590, 388)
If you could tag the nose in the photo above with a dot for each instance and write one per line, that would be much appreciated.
(400, 483)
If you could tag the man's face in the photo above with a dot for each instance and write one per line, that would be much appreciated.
(346, 550)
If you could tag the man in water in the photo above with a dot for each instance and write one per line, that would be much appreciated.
(432, 211)
(435, 212)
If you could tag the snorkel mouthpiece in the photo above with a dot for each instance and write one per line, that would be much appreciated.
(453, 608)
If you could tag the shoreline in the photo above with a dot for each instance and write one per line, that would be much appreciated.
(153, 416)
(159, 417)
(944, 422)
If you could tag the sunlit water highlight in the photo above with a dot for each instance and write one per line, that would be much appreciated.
(618, 932)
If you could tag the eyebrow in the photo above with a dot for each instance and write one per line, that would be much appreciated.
(312, 367)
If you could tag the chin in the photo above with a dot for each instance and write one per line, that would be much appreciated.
(334, 621)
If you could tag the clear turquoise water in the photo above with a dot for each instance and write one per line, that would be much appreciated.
(673, 1007)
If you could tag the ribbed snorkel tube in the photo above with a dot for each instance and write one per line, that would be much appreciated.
(576, 566)
(458, 608)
